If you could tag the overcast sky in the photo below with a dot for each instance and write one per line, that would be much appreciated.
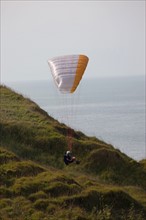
(110, 33)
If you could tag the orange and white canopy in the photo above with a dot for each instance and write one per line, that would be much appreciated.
(67, 71)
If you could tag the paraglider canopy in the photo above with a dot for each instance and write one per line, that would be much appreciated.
(67, 71)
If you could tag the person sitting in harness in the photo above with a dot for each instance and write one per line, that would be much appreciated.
(68, 158)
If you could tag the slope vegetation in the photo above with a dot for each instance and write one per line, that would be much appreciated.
(35, 183)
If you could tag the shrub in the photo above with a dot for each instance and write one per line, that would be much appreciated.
(41, 204)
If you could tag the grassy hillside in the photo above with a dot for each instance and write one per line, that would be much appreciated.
(35, 183)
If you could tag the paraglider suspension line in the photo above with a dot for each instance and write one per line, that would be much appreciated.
(70, 139)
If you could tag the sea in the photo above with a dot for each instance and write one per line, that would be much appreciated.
(111, 109)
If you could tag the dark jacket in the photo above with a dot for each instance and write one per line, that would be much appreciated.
(68, 159)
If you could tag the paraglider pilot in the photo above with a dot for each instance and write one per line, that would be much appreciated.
(68, 158)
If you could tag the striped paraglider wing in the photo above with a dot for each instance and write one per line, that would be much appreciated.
(67, 71)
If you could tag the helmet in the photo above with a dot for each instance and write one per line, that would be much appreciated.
(68, 153)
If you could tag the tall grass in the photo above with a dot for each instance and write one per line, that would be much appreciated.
(106, 185)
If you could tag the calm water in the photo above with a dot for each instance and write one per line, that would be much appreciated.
(111, 109)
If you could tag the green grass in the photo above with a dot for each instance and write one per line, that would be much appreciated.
(35, 183)
(112, 165)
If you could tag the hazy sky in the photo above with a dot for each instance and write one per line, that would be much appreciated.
(110, 33)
